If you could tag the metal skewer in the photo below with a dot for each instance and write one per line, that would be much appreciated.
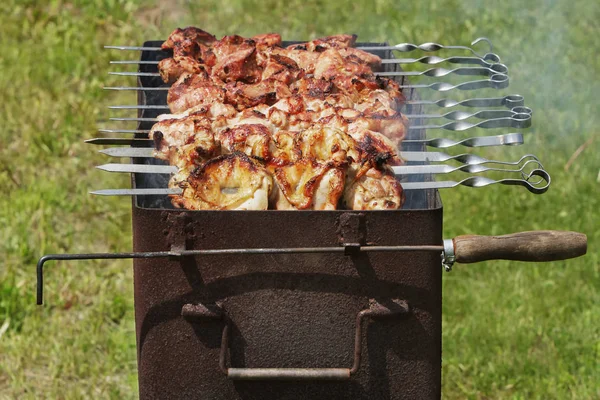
(136, 192)
(134, 119)
(407, 47)
(510, 139)
(515, 120)
(149, 88)
(432, 72)
(496, 81)
(537, 187)
(118, 141)
(123, 130)
(468, 168)
(135, 73)
(418, 156)
(138, 48)
(138, 168)
(139, 107)
(139, 62)
(509, 101)
(483, 114)
(404, 47)
(433, 60)
(429, 60)
(540, 186)
(519, 120)
(440, 72)
(472, 159)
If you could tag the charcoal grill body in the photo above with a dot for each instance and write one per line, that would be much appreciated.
(285, 310)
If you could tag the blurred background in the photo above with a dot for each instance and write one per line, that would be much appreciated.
(510, 330)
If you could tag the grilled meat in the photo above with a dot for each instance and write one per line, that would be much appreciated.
(318, 45)
(191, 51)
(251, 139)
(309, 185)
(282, 69)
(186, 141)
(325, 144)
(190, 33)
(234, 58)
(171, 69)
(267, 40)
(257, 126)
(372, 188)
(228, 182)
(193, 90)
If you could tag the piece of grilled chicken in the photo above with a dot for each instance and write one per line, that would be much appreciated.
(308, 184)
(372, 187)
(229, 182)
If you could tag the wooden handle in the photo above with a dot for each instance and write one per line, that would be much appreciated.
(521, 246)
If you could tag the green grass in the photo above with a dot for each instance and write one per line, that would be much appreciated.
(511, 330)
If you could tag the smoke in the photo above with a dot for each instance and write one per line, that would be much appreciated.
(551, 49)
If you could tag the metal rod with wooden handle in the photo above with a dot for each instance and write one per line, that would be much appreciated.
(534, 246)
